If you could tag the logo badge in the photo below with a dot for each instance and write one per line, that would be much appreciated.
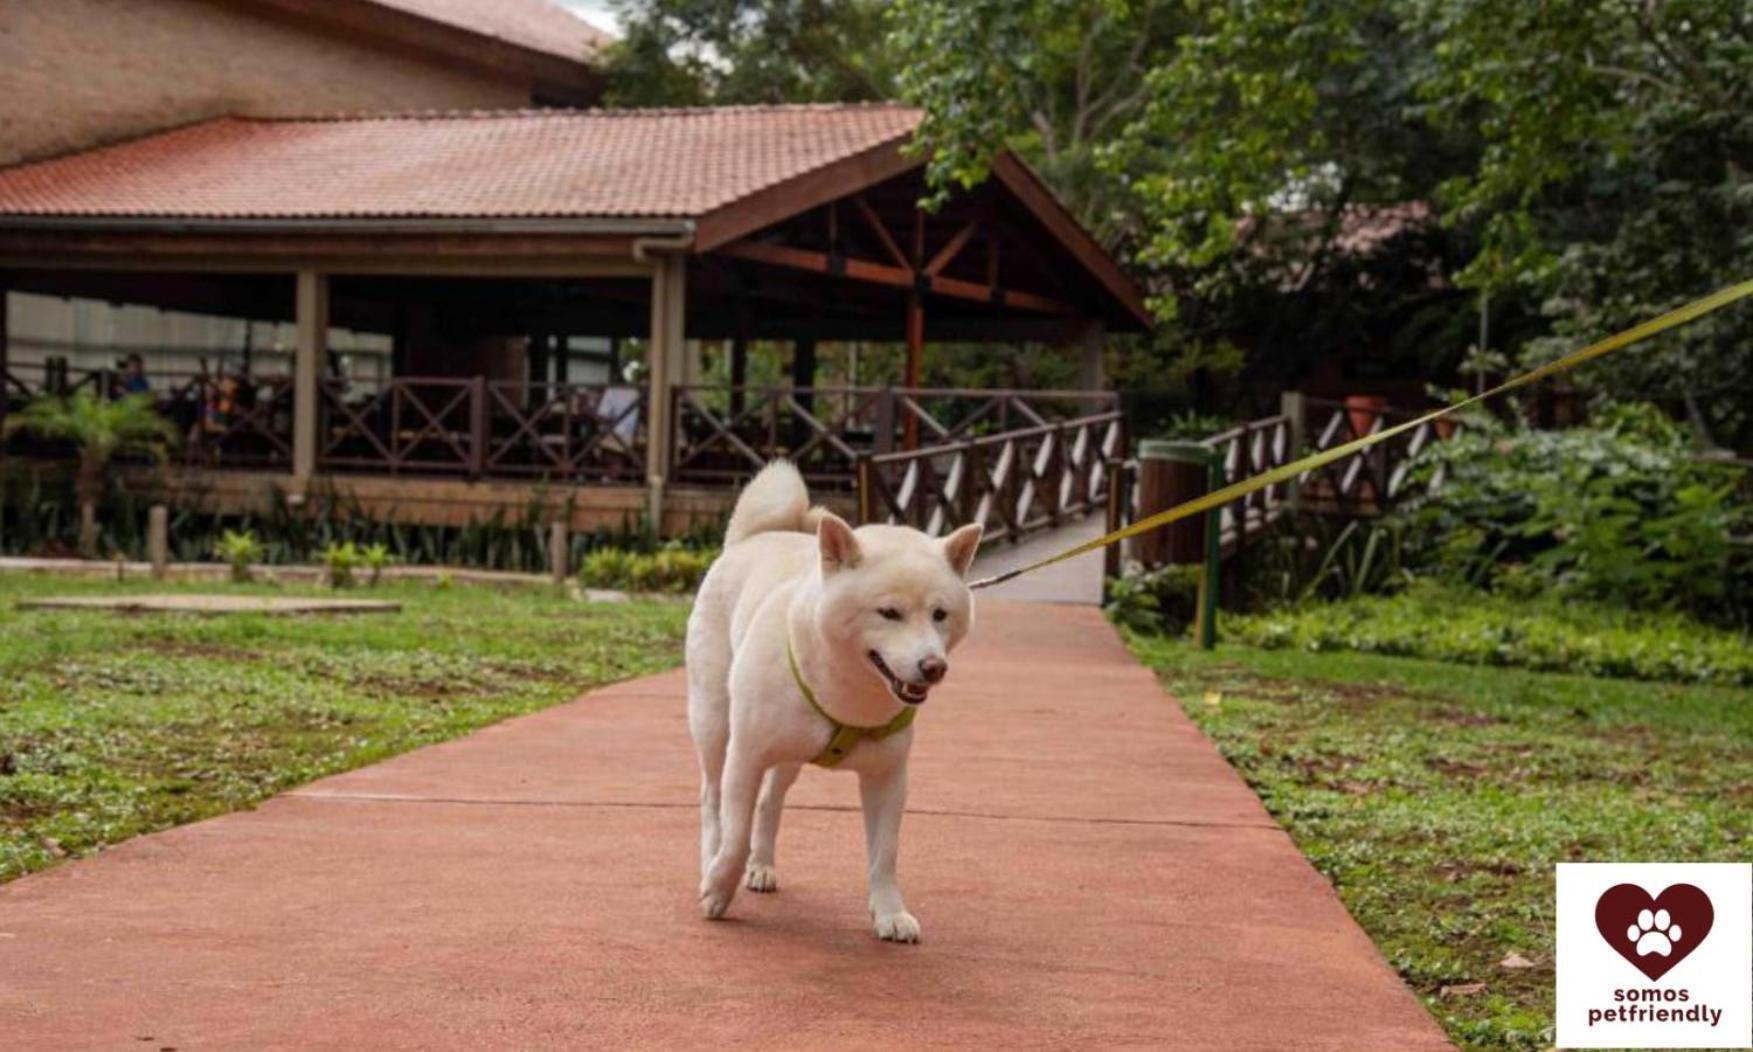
(1654, 934)
(1681, 966)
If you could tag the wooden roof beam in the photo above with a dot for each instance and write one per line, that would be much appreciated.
(895, 277)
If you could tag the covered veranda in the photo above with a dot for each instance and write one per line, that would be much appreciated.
(565, 301)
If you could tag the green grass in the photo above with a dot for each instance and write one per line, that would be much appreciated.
(1543, 632)
(116, 725)
(1437, 798)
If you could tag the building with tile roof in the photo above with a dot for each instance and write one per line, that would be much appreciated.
(484, 248)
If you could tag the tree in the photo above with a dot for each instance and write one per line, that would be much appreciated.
(99, 429)
(722, 52)
(1614, 181)
(1589, 159)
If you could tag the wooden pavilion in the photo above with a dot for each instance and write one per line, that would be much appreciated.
(484, 245)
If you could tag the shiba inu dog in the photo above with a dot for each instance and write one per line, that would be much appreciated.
(813, 642)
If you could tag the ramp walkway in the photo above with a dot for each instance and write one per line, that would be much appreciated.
(1089, 874)
(1077, 580)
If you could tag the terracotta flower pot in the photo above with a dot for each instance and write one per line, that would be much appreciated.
(1363, 411)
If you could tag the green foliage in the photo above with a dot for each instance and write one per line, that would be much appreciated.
(1162, 601)
(1586, 163)
(1625, 513)
(1615, 180)
(1515, 629)
(672, 569)
(97, 428)
(1436, 799)
(724, 52)
(39, 517)
(240, 549)
(100, 428)
(340, 560)
(376, 557)
(115, 726)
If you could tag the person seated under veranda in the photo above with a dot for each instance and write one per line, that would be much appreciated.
(131, 378)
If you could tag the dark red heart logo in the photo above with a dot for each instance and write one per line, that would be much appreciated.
(1654, 934)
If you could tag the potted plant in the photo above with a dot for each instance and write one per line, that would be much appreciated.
(99, 430)
(1363, 411)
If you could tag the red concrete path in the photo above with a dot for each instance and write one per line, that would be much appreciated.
(1088, 871)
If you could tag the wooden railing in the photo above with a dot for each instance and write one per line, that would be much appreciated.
(1013, 482)
(1365, 484)
(724, 433)
(1253, 448)
(574, 433)
(1371, 482)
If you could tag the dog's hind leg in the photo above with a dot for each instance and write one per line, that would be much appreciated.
(740, 785)
(709, 722)
(761, 875)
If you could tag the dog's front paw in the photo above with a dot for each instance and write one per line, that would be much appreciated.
(762, 878)
(713, 904)
(897, 927)
(715, 897)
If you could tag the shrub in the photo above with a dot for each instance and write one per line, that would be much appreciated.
(673, 569)
(1164, 600)
(240, 549)
(1624, 513)
(1471, 627)
(341, 560)
(376, 557)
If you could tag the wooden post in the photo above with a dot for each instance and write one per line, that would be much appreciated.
(5, 364)
(1295, 413)
(915, 352)
(559, 551)
(312, 314)
(1205, 623)
(866, 498)
(158, 540)
(1118, 484)
(668, 302)
(739, 372)
(916, 322)
(477, 426)
(88, 536)
(803, 381)
(885, 421)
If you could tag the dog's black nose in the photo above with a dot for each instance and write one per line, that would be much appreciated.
(933, 668)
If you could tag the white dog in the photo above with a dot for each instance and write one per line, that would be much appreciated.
(814, 649)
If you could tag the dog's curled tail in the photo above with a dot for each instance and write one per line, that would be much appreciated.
(775, 499)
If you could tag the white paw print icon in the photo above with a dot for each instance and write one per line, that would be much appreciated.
(1653, 933)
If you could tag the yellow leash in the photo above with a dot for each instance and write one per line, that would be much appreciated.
(1217, 498)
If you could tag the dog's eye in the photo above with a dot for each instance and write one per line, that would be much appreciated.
(890, 613)
(939, 614)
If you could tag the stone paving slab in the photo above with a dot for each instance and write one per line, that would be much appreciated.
(1089, 874)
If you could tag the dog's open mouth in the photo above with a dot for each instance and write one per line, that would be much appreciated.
(908, 693)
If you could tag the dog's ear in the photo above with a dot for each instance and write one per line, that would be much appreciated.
(961, 546)
(838, 544)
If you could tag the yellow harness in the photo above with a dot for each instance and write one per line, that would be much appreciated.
(846, 735)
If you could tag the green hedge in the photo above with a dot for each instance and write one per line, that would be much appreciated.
(675, 570)
(1471, 627)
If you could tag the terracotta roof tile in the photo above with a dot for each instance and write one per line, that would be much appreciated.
(498, 164)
